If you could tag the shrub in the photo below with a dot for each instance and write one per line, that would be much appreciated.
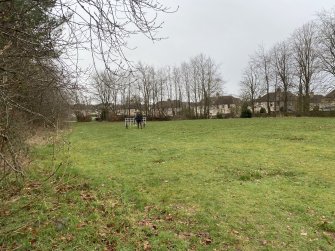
(246, 112)
(263, 110)
(321, 114)
(82, 117)
(219, 115)
(104, 115)
(228, 116)
(316, 108)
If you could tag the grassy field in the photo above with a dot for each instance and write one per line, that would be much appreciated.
(243, 184)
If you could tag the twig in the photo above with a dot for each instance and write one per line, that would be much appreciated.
(60, 164)
(15, 229)
(10, 165)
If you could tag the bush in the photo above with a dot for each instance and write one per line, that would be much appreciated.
(316, 108)
(263, 110)
(246, 112)
(219, 115)
(161, 118)
(82, 117)
(321, 114)
(104, 115)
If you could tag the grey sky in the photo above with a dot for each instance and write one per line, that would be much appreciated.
(227, 30)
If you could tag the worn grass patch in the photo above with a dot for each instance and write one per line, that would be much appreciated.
(187, 185)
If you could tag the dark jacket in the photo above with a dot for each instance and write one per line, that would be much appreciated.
(139, 117)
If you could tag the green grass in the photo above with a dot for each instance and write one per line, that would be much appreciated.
(265, 184)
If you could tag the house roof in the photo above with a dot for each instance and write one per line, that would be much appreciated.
(280, 97)
(225, 100)
(271, 95)
(316, 99)
(169, 104)
(127, 106)
(331, 94)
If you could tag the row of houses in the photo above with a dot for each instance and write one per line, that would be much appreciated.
(231, 105)
(170, 108)
(224, 105)
(276, 102)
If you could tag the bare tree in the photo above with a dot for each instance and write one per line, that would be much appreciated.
(326, 41)
(106, 89)
(264, 62)
(195, 85)
(250, 84)
(160, 86)
(307, 61)
(185, 71)
(283, 64)
(145, 81)
(176, 78)
(104, 27)
(206, 82)
(41, 40)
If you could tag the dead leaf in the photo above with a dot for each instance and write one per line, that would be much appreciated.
(235, 232)
(7, 213)
(148, 208)
(109, 247)
(87, 196)
(205, 238)
(303, 233)
(264, 242)
(147, 223)
(81, 225)
(207, 241)
(33, 241)
(63, 188)
(146, 246)
(185, 235)
(169, 217)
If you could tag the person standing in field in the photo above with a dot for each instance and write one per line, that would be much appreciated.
(139, 120)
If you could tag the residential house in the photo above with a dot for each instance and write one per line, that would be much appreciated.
(276, 101)
(224, 105)
(168, 108)
(126, 110)
(315, 102)
(86, 110)
(328, 102)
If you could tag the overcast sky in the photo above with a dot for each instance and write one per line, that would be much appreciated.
(226, 30)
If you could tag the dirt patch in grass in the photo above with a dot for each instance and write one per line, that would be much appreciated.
(295, 138)
(251, 175)
(328, 227)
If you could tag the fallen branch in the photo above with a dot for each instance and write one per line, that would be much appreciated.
(60, 164)
(10, 165)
